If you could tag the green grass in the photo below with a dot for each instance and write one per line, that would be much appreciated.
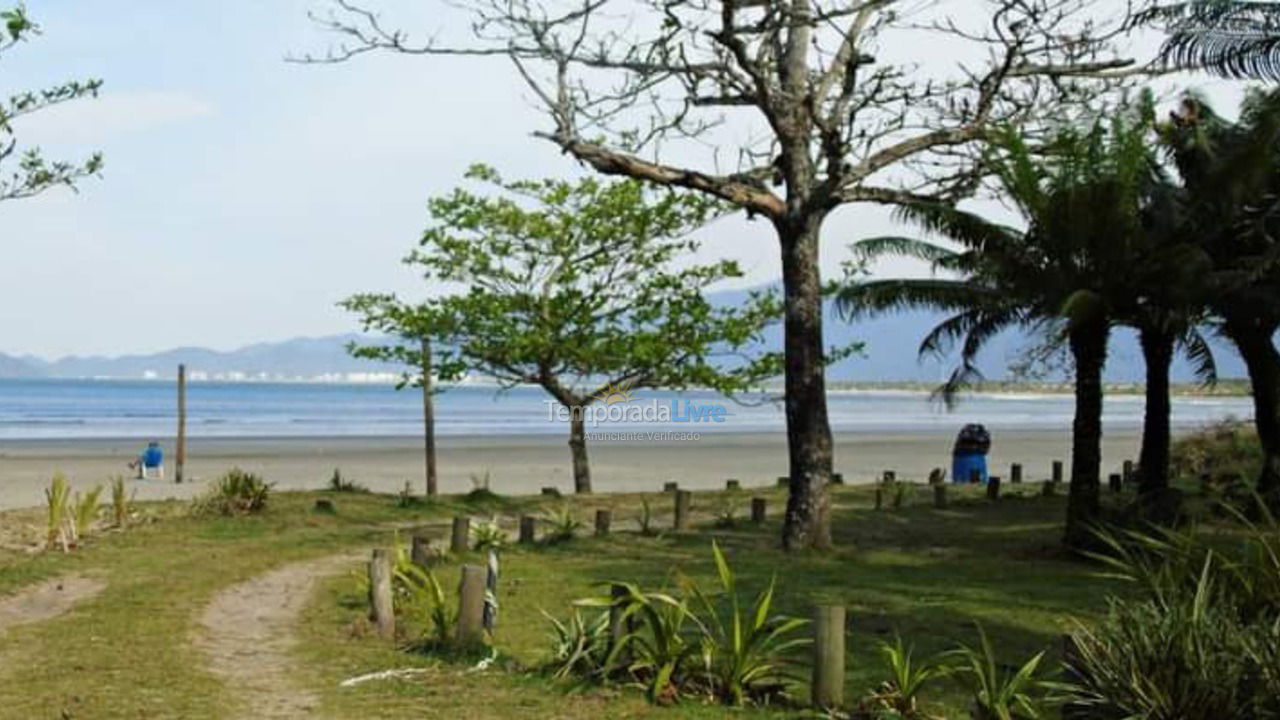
(925, 573)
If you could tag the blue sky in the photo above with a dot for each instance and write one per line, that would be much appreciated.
(243, 196)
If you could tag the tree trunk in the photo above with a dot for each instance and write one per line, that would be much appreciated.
(1089, 350)
(1153, 459)
(807, 522)
(1253, 339)
(429, 421)
(578, 448)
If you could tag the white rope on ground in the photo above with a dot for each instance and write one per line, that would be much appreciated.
(401, 674)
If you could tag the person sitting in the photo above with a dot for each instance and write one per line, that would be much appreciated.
(150, 462)
(969, 456)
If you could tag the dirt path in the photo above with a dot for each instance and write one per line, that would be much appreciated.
(46, 600)
(246, 634)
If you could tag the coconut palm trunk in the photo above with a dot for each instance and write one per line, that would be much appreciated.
(1088, 341)
(1254, 341)
(1153, 459)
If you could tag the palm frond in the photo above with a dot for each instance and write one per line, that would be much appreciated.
(877, 247)
(969, 229)
(881, 296)
(1198, 351)
(1230, 38)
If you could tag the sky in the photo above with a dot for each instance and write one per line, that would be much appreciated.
(243, 196)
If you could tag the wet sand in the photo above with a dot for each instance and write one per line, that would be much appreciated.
(516, 464)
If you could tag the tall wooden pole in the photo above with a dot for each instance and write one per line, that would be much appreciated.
(429, 421)
(180, 454)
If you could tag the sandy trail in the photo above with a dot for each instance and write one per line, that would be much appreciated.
(46, 600)
(247, 636)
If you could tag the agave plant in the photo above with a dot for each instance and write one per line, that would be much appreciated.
(235, 493)
(898, 696)
(745, 650)
(580, 646)
(488, 535)
(997, 693)
(563, 522)
(657, 650)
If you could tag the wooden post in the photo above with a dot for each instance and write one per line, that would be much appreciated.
(471, 605)
(758, 510)
(382, 611)
(1015, 473)
(879, 497)
(683, 499)
(421, 552)
(460, 540)
(1116, 481)
(732, 484)
(784, 481)
(993, 487)
(1046, 489)
(975, 476)
(551, 492)
(528, 529)
(889, 476)
(837, 478)
(940, 495)
(828, 656)
(1057, 471)
(180, 453)
(429, 421)
(1128, 472)
(670, 486)
(603, 517)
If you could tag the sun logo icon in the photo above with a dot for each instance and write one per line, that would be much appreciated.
(613, 394)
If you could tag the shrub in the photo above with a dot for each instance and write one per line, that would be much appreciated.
(338, 483)
(235, 493)
(580, 646)
(727, 512)
(86, 511)
(1225, 451)
(1202, 638)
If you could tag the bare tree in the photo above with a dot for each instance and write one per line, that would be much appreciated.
(834, 107)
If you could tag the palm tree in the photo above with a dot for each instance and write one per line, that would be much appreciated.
(1230, 38)
(1074, 269)
(1232, 170)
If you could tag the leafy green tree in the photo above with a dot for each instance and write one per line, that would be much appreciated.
(571, 287)
(1230, 38)
(34, 173)
(1074, 269)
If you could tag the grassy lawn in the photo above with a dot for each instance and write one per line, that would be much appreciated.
(126, 653)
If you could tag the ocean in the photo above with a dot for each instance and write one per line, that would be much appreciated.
(68, 409)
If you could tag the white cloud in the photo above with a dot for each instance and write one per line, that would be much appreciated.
(96, 120)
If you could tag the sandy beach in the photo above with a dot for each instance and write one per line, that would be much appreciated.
(516, 464)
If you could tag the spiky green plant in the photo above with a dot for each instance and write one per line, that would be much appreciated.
(745, 650)
(85, 509)
(898, 695)
(235, 493)
(488, 535)
(657, 651)
(562, 522)
(580, 646)
(57, 500)
(997, 692)
(121, 502)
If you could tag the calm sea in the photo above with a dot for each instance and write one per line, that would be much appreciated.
(32, 409)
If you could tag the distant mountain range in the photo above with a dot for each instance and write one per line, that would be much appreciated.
(891, 345)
